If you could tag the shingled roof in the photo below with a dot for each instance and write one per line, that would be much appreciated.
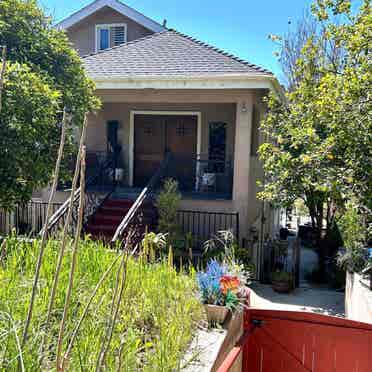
(167, 53)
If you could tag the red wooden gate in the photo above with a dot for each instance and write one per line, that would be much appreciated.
(281, 341)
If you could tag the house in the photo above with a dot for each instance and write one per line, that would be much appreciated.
(165, 92)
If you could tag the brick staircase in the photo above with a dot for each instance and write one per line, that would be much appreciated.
(103, 224)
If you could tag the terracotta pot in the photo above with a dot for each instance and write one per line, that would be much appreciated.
(281, 287)
(216, 314)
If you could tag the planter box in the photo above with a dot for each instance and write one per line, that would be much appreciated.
(281, 287)
(216, 314)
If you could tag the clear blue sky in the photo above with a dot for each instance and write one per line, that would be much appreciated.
(237, 26)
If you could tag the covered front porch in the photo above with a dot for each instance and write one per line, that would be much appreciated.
(210, 135)
(199, 136)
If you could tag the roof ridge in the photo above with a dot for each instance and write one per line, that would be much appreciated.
(220, 51)
(128, 43)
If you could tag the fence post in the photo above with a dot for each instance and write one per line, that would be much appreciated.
(12, 222)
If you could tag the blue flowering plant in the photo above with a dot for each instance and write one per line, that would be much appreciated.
(209, 283)
(219, 286)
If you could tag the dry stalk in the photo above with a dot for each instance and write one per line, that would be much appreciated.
(85, 311)
(116, 307)
(73, 262)
(2, 251)
(2, 73)
(65, 119)
(64, 235)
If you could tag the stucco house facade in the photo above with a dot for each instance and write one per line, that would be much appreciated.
(163, 91)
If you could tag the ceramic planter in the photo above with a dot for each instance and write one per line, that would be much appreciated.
(281, 286)
(216, 314)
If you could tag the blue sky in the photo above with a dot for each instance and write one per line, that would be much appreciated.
(237, 26)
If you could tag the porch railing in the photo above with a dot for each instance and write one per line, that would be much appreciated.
(99, 186)
(203, 177)
(133, 217)
(203, 225)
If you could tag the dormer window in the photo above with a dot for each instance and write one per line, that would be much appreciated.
(108, 36)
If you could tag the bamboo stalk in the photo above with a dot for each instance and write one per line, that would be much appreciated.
(73, 263)
(2, 250)
(111, 330)
(85, 311)
(64, 234)
(114, 314)
(45, 230)
(2, 73)
(117, 282)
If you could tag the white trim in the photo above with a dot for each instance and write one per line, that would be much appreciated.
(149, 112)
(100, 26)
(227, 81)
(116, 5)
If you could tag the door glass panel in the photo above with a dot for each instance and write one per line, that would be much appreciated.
(217, 146)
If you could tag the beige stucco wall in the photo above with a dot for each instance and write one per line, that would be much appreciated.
(83, 37)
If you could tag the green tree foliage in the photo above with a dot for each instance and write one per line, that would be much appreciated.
(43, 75)
(319, 144)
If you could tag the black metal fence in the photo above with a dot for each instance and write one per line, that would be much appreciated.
(26, 219)
(203, 225)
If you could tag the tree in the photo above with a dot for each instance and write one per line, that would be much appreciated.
(43, 75)
(319, 141)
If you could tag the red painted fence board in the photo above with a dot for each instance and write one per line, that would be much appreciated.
(302, 342)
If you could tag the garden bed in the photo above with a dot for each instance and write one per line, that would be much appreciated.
(156, 321)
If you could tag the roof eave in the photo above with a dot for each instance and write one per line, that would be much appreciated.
(226, 81)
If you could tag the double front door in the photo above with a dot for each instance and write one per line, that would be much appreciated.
(154, 137)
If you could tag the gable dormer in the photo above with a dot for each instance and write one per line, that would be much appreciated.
(104, 24)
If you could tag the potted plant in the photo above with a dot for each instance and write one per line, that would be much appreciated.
(220, 292)
(281, 281)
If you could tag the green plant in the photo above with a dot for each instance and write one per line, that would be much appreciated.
(156, 319)
(232, 301)
(223, 246)
(167, 203)
(354, 232)
(152, 244)
(281, 276)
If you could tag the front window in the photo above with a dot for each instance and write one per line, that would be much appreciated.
(108, 36)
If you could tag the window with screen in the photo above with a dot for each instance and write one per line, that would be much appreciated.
(108, 36)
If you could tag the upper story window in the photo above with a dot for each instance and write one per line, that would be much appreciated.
(108, 36)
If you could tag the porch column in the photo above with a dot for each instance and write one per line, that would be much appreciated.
(243, 130)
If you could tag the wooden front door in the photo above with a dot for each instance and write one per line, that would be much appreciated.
(154, 136)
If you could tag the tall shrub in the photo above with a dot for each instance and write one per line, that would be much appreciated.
(167, 203)
(43, 75)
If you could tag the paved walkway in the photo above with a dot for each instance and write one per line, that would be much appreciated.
(321, 301)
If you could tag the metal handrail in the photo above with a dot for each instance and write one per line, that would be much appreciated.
(147, 190)
(58, 215)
